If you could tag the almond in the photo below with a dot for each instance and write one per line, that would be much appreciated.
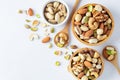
(77, 23)
(87, 64)
(46, 39)
(73, 47)
(102, 26)
(89, 33)
(105, 55)
(105, 29)
(30, 12)
(108, 32)
(81, 75)
(83, 11)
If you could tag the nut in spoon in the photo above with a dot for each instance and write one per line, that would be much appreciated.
(111, 55)
(61, 39)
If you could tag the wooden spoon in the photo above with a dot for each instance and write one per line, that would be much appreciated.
(65, 30)
(113, 61)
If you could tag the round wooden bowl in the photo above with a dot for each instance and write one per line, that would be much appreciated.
(79, 50)
(84, 42)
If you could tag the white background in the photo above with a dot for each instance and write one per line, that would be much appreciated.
(21, 59)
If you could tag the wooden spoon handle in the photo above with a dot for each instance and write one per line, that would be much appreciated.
(117, 66)
(70, 18)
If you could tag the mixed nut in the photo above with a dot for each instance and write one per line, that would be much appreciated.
(55, 12)
(92, 23)
(86, 64)
(61, 39)
(109, 53)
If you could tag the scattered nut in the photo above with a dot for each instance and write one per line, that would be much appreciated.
(58, 52)
(73, 47)
(35, 23)
(57, 63)
(30, 12)
(33, 36)
(46, 39)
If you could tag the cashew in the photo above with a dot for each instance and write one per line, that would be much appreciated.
(94, 65)
(95, 74)
(101, 37)
(78, 17)
(76, 58)
(63, 35)
(92, 24)
(111, 57)
(99, 31)
(50, 10)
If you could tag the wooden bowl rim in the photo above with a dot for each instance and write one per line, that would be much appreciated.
(81, 49)
(75, 35)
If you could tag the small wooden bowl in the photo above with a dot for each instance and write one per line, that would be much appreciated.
(101, 42)
(79, 50)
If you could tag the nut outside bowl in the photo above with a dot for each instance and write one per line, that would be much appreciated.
(101, 42)
(79, 50)
(61, 1)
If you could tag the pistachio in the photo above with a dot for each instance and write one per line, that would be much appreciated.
(35, 23)
(50, 10)
(57, 17)
(49, 16)
(33, 37)
(34, 29)
(56, 4)
(27, 26)
(76, 58)
(57, 63)
(58, 52)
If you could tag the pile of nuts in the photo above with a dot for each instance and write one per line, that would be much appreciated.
(109, 53)
(92, 23)
(86, 64)
(61, 39)
(55, 12)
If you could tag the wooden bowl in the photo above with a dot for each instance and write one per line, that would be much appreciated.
(76, 52)
(100, 42)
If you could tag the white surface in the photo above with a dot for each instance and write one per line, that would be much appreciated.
(21, 59)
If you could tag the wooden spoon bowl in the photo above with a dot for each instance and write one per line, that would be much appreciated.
(114, 61)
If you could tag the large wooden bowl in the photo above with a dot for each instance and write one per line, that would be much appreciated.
(84, 42)
(79, 50)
